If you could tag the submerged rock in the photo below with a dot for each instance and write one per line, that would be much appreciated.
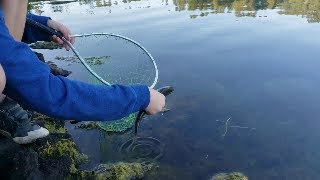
(123, 171)
(116, 171)
(96, 60)
(55, 70)
(229, 176)
(45, 45)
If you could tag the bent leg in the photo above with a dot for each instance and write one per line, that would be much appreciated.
(15, 121)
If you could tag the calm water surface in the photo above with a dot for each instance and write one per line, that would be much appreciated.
(256, 61)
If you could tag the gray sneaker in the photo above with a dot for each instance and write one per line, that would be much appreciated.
(15, 123)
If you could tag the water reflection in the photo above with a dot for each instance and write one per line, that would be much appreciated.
(262, 72)
(305, 8)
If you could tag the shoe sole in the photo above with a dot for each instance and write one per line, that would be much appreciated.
(32, 136)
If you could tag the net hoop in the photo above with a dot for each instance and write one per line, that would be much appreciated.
(114, 35)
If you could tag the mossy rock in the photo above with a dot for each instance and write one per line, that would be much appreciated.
(53, 125)
(229, 176)
(64, 147)
(115, 171)
(88, 125)
(45, 45)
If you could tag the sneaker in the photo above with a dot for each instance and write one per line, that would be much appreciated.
(15, 123)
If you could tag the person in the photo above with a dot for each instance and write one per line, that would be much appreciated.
(25, 79)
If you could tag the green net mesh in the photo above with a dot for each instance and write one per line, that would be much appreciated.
(119, 125)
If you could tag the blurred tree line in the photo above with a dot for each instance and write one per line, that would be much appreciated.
(309, 9)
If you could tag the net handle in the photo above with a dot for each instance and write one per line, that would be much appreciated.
(52, 31)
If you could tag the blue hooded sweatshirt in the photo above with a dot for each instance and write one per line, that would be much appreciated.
(30, 82)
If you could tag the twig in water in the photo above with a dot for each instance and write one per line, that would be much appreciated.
(226, 127)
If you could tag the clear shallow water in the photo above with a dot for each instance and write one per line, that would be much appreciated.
(255, 62)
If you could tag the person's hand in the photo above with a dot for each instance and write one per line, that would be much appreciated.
(64, 30)
(157, 102)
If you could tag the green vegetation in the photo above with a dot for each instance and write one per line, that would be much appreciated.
(309, 9)
(45, 45)
(90, 60)
(115, 171)
(64, 147)
(123, 171)
(230, 176)
(96, 60)
(53, 125)
(67, 58)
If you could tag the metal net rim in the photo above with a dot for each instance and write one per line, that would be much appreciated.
(118, 36)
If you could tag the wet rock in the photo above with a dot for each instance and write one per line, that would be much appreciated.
(55, 70)
(58, 155)
(229, 176)
(53, 157)
(53, 125)
(116, 171)
(18, 161)
(45, 45)
(40, 56)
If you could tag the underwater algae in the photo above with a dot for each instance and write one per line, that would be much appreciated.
(96, 60)
(92, 60)
(229, 176)
(115, 171)
(64, 148)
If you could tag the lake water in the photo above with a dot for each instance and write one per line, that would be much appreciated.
(256, 61)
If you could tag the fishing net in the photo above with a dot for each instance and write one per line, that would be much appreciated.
(118, 126)
(108, 59)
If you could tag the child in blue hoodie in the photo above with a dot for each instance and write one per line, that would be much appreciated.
(28, 81)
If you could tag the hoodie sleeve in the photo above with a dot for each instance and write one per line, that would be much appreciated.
(30, 82)
(32, 34)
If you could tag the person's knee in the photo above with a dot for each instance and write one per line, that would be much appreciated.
(2, 79)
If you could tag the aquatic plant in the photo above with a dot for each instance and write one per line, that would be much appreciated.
(67, 58)
(92, 60)
(96, 60)
(88, 125)
(114, 171)
(229, 176)
(64, 147)
(45, 45)
(123, 171)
